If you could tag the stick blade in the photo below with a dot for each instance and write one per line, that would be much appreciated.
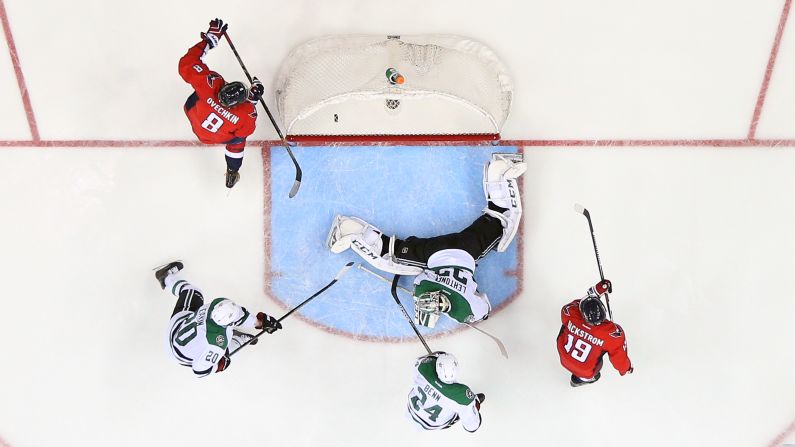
(294, 189)
(582, 210)
(344, 270)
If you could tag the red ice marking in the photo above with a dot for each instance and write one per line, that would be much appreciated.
(715, 142)
(23, 89)
(771, 62)
(783, 435)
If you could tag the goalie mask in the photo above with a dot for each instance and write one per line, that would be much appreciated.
(226, 312)
(428, 306)
(232, 94)
(592, 310)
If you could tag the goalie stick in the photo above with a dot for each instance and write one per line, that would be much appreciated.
(339, 275)
(298, 172)
(499, 342)
(582, 210)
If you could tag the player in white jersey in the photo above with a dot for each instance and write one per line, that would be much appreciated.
(437, 400)
(445, 264)
(201, 335)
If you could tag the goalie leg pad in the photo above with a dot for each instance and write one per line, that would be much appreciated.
(342, 231)
(502, 189)
(370, 249)
(365, 240)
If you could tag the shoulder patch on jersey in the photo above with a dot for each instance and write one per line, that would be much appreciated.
(470, 394)
(253, 114)
(219, 340)
(618, 332)
(212, 77)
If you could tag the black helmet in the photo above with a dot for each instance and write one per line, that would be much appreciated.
(232, 94)
(592, 310)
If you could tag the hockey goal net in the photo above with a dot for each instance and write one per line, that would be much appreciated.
(338, 89)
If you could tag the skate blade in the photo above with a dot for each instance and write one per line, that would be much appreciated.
(167, 263)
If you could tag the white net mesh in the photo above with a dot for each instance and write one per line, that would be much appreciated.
(338, 86)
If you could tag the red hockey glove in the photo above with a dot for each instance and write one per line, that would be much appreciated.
(267, 323)
(215, 32)
(224, 362)
(602, 287)
(256, 91)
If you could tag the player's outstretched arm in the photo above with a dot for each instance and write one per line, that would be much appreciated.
(617, 351)
(191, 66)
(470, 415)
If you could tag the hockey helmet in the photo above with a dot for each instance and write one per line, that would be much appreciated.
(226, 312)
(592, 310)
(446, 367)
(232, 94)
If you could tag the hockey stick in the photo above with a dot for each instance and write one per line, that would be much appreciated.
(339, 275)
(405, 314)
(500, 345)
(298, 172)
(581, 209)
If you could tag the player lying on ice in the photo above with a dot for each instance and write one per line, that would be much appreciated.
(586, 335)
(200, 335)
(437, 400)
(219, 112)
(445, 264)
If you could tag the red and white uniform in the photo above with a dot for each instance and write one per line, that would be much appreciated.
(211, 122)
(581, 345)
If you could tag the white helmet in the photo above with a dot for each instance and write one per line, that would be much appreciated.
(226, 312)
(446, 367)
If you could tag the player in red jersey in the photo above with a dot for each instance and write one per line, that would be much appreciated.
(219, 112)
(586, 335)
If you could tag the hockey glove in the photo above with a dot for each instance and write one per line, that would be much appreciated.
(215, 32)
(602, 287)
(480, 399)
(256, 91)
(224, 362)
(267, 323)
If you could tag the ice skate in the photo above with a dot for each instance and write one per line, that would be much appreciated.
(576, 381)
(232, 177)
(164, 271)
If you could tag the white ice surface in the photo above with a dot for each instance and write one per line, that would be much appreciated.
(697, 241)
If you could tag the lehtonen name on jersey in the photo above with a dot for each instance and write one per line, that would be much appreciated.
(449, 281)
(584, 335)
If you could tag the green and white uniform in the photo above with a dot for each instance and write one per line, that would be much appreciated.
(196, 341)
(435, 405)
(451, 272)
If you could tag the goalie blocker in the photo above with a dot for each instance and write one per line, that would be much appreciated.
(444, 265)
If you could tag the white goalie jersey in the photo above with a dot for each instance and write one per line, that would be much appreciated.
(197, 342)
(435, 405)
(451, 272)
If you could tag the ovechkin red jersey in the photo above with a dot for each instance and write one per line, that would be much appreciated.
(581, 345)
(211, 122)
